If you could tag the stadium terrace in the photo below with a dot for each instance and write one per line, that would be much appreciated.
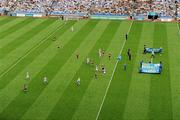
(89, 59)
(135, 9)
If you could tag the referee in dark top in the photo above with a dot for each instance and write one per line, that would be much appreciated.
(126, 36)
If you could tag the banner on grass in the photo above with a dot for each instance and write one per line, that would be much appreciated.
(156, 50)
(150, 68)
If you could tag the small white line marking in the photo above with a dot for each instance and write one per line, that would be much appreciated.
(112, 76)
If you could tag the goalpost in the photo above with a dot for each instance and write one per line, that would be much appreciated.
(72, 17)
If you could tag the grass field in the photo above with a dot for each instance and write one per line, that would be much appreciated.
(26, 45)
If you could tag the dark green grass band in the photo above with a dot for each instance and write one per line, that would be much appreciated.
(4, 80)
(56, 63)
(24, 38)
(115, 102)
(15, 27)
(160, 107)
(67, 105)
(6, 21)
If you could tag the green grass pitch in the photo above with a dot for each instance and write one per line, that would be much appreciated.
(31, 45)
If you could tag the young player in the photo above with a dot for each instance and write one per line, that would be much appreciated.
(144, 49)
(125, 66)
(77, 56)
(100, 53)
(129, 54)
(109, 55)
(97, 69)
(72, 29)
(45, 80)
(104, 70)
(126, 36)
(87, 60)
(152, 54)
(103, 52)
(25, 88)
(95, 75)
(27, 76)
(151, 59)
(78, 82)
(119, 58)
(160, 65)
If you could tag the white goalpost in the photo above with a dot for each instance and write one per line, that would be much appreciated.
(71, 17)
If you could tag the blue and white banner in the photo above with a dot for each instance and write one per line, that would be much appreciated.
(28, 14)
(156, 50)
(150, 68)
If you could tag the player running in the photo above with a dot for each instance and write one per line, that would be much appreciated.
(100, 53)
(103, 70)
(95, 75)
(27, 76)
(152, 54)
(78, 82)
(87, 60)
(77, 56)
(72, 29)
(45, 80)
(126, 36)
(25, 88)
(125, 66)
(129, 54)
(97, 69)
(109, 55)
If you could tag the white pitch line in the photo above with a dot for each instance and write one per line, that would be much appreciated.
(31, 50)
(112, 76)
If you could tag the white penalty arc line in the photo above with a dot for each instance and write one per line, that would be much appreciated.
(30, 51)
(112, 75)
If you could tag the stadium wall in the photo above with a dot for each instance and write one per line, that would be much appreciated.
(110, 17)
(27, 14)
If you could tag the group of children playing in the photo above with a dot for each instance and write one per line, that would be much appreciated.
(25, 86)
(98, 68)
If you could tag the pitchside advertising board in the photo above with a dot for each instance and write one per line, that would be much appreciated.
(109, 17)
(29, 15)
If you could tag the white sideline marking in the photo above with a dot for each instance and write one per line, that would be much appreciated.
(112, 75)
(31, 50)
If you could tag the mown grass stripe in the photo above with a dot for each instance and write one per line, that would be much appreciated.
(160, 107)
(15, 27)
(1, 18)
(8, 93)
(112, 75)
(24, 38)
(92, 99)
(6, 21)
(18, 54)
(55, 89)
(13, 72)
(10, 24)
(36, 90)
(67, 105)
(115, 102)
(18, 32)
(174, 62)
(137, 104)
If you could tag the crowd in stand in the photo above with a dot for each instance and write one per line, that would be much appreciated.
(116, 7)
